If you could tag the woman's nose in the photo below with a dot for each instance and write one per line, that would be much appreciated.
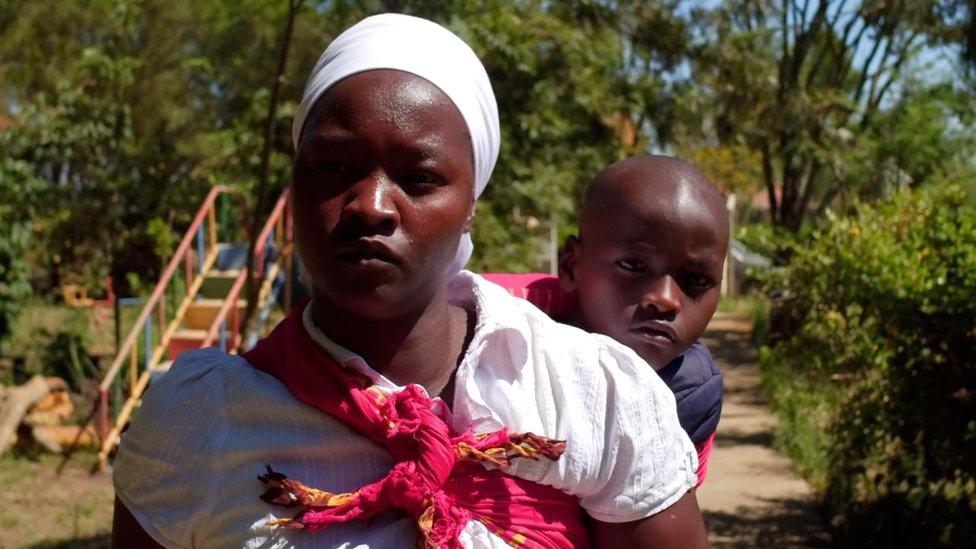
(371, 203)
(663, 295)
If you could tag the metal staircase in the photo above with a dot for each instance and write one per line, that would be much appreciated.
(199, 301)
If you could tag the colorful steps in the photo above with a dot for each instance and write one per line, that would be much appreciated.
(217, 284)
(202, 313)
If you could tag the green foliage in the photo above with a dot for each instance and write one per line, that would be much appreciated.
(769, 240)
(52, 341)
(822, 93)
(17, 190)
(873, 372)
(65, 357)
(127, 110)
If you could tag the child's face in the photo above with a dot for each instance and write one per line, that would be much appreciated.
(648, 273)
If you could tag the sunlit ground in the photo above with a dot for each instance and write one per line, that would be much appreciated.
(42, 507)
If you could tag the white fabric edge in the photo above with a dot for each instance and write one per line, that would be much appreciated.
(638, 514)
(143, 519)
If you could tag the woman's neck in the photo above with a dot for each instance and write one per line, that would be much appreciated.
(421, 348)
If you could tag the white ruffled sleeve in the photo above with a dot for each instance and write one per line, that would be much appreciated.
(165, 473)
(641, 461)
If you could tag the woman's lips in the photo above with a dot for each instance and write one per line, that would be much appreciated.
(367, 252)
(363, 258)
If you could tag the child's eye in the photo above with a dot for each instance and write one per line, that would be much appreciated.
(632, 265)
(696, 283)
(334, 166)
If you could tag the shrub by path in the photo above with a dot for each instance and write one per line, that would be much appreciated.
(752, 497)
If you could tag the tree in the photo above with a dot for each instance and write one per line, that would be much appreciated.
(255, 224)
(807, 85)
(128, 110)
(18, 186)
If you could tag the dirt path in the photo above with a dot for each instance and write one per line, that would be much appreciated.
(751, 497)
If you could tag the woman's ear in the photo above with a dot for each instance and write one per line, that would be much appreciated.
(469, 220)
(568, 259)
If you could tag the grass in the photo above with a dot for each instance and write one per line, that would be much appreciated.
(804, 410)
(803, 407)
(42, 507)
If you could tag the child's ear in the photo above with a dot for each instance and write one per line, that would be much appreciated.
(568, 258)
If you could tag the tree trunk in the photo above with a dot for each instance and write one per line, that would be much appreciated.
(254, 284)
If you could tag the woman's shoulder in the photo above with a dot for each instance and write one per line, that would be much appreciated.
(498, 310)
(202, 375)
(206, 365)
(173, 459)
(192, 402)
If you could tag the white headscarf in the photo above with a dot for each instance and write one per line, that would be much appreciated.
(428, 50)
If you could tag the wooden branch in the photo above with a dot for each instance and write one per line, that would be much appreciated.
(865, 72)
(804, 11)
(767, 165)
(57, 438)
(802, 47)
(876, 96)
(787, 190)
(874, 100)
(262, 190)
(827, 48)
(16, 402)
(845, 47)
(830, 195)
(847, 28)
(786, 58)
(806, 193)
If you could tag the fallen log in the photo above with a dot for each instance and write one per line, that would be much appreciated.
(17, 400)
(54, 408)
(58, 438)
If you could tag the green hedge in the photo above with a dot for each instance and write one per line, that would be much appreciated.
(872, 367)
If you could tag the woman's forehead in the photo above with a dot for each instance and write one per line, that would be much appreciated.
(404, 101)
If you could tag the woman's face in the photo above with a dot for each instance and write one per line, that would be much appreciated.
(383, 187)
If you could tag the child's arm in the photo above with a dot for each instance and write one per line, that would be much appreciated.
(678, 526)
(126, 530)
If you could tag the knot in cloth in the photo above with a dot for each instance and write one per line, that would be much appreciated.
(442, 481)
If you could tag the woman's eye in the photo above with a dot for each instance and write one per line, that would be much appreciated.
(421, 178)
(632, 265)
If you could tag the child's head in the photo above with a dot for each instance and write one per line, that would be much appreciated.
(648, 261)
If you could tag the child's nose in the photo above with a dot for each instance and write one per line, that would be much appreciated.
(370, 202)
(663, 295)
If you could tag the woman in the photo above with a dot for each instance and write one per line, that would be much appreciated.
(426, 400)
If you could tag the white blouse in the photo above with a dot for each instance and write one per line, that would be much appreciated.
(187, 468)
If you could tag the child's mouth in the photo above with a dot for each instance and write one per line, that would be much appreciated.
(655, 333)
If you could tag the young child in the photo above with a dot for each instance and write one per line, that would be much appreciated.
(645, 270)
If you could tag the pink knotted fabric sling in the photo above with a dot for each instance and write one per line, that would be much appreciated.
(439, 478)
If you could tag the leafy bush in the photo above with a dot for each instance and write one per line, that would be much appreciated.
(17, 189)
(771, 241)
(873, 367)
(52, 340)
